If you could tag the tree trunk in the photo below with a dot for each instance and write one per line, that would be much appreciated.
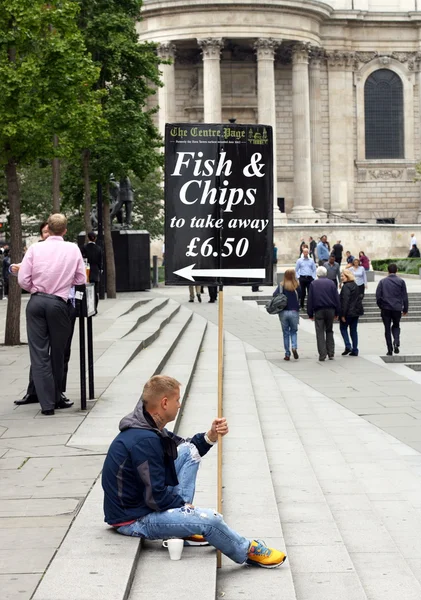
(56, 180)
(87, 193)
(12, 332)
(108, 244)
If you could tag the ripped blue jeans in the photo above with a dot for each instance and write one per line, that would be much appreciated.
(186, 521)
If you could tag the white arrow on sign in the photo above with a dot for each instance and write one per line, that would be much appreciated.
(187, 273)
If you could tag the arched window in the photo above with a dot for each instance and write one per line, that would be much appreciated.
(383, 109)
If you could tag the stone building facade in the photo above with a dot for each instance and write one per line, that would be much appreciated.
(339, 82)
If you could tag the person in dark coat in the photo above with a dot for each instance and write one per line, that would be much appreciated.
(392, 299)
(337, 251)
(323, 307)
(93, 253)
(351, 310)
(414, 252)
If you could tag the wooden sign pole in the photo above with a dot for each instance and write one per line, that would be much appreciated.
(220, 399)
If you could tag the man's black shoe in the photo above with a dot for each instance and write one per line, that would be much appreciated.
(64, 403)
(396, 349)
(48, 412)
(27, 399)
(389, 353)
(346, 351)
(353, 354)
(64, 397)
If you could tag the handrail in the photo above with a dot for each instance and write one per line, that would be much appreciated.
(329, 213)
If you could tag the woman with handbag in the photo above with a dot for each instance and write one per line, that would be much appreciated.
(290, 316)
(351, 310)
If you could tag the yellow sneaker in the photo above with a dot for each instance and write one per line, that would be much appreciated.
(195, 540)
(260, 555)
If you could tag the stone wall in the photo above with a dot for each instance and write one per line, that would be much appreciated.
(377, 241)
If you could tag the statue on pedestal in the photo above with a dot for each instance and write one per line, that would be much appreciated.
(121, 197)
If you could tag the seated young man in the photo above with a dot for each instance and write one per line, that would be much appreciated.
(149, 479)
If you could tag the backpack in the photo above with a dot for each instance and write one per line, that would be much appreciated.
(277, 304)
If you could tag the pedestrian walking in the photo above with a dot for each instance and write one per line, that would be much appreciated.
(305, 271)
(414, 252)
(192, 289)
(349, 258)
(323, 307)
(392, 299)
(360, 275)
(290, 316)
(213, 293)
(5, 268)
(351, 310)
(48, 271)
(149, 480)
(364, 260)
(275, 263)
(413, 241)
(333, 270)
(312, 245)
(93, 253)
(302, 244)
(338, 250)
(323, 251)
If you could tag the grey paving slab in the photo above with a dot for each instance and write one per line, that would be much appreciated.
(386, 576)
(18, 587)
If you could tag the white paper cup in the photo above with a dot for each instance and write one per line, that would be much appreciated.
(175, 548)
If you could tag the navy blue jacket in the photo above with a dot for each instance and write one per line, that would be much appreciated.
(391, 294)
(292, 297)
(322, 293)
(139, 468)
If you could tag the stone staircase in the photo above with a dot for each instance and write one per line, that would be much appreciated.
(371, 310)
(300, 471)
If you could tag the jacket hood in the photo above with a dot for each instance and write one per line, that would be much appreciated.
(138, 419)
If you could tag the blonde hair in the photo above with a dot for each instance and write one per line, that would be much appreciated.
(159, 386)
(57, 224)
(349, 276)
(290, 281)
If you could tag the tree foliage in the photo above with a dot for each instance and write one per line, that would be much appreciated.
(46, 89)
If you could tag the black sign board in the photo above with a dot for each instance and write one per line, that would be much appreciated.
(218, 204)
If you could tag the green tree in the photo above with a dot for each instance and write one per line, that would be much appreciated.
(128, 70)
(148, 210)
(46, 90)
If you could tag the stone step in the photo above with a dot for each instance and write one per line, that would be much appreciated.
(93, 560)
(130, 320)
(195, 575)
(348, 495)
(122, 351)
(101, 425)
(249, 503)
(124, 307)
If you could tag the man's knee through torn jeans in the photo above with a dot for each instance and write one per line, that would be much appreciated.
(186, 521)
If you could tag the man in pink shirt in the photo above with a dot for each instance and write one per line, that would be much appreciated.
(48, 271)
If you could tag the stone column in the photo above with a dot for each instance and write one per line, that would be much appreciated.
(303, 209)
(266, 104)
(211, 52)
(341, 131)
(316, 58)
(166, 94)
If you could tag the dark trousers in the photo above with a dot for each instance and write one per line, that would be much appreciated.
(213, 292)
(352, 323)
(48, 327)
(96, 293)
(31, 391)
(391, 320)
(362, 290)
(305, 282)
(323, 320)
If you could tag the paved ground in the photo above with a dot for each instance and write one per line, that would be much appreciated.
(43, 481)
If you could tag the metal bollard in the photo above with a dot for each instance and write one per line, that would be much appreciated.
(154, 271)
